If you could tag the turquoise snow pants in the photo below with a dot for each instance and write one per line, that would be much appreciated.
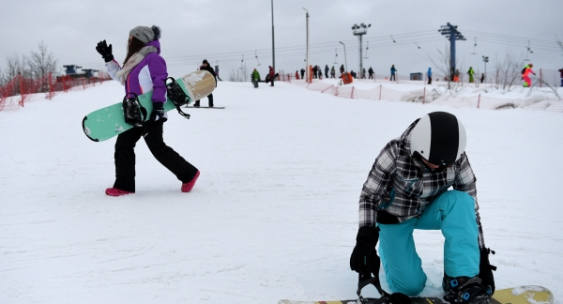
(453, 212)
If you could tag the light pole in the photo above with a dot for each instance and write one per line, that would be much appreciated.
(485, 60)
(307, 45)
(273, 45)
(360, 30)
(345, 57)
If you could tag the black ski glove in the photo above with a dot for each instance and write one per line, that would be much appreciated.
(364, 258)
(104, 50)
(158, 114)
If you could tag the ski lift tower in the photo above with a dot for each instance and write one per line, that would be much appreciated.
(451, 32)
(360, 30)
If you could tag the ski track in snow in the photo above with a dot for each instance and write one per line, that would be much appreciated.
(274, 213)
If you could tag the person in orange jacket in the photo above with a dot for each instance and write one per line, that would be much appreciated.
(526, 75)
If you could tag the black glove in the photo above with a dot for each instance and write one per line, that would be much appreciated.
(364, 258)
(104, 50)
(158, 114)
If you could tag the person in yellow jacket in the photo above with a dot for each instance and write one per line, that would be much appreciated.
(471, 74)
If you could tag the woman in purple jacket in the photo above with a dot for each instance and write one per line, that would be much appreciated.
(144, 70)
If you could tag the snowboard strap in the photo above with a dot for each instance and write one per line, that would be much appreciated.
(386, 298)
(177, 95)
(365, 279)
(133, 112)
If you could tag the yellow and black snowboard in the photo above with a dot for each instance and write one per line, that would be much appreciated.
(517, 295)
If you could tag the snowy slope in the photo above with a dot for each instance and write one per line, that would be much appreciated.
(274, 214)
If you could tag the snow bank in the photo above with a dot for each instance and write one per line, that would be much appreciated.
(484, 96)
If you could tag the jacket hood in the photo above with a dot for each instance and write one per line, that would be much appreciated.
(156, 44)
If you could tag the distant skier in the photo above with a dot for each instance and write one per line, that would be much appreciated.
(144, 70)
(217, 73)
(393, 72)
(319, 72)
(342, 70)
(326, 71)
(332, 72)
(526, 71)
(371, 72)
(429, 75)
(302, 71)
(561, 75)
(205, 66)
(255, 76)
(471, 74)
(271, 76)
(407, 189)
(482, 77)
(456, 76)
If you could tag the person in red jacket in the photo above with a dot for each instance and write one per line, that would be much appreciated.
(526, 75)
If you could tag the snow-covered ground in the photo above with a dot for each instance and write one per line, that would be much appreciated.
(274, 213)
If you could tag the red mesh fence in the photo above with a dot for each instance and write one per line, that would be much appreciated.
(22, 87)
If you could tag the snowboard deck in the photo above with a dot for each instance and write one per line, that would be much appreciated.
(529, 294)
(109, 121)
(192, 107)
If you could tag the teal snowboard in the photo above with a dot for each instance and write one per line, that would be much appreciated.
(109, 121)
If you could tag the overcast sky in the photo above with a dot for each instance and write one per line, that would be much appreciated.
(224, 30)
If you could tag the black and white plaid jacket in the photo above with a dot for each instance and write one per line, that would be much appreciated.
(403, 186)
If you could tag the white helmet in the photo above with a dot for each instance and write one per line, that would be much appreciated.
(438, 137)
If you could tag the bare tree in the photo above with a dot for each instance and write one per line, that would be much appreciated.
(442, 64)
(41, 63)
(16, 65)
(507, 72)
(2, 77)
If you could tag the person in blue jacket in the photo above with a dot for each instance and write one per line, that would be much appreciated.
(393, 72)
(429, 75)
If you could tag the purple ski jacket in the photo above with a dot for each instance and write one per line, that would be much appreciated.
(149, 74)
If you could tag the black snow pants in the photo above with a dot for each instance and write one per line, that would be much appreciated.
(209, 97)
(125, 156)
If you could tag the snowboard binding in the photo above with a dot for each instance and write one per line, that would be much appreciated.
(134, 113)
(177, 96)
(386, 298)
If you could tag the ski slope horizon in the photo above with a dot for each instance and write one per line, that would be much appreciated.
(274, 213)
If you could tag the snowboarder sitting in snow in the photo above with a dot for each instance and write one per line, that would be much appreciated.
(144, 70)
(408, 188)
(205, 66)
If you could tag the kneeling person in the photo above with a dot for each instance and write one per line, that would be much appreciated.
(408, 188)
